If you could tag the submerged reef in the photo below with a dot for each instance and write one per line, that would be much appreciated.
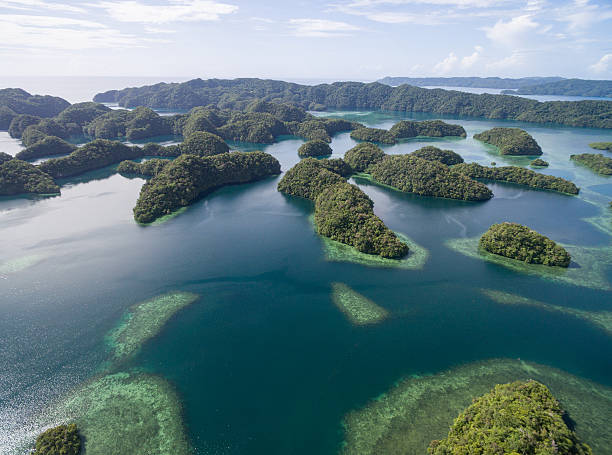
(510, 141)
(357, 308)
(144, 321)
(418, 410)
(522, 416)
(597, 162)
(20, 263)
(60, 440)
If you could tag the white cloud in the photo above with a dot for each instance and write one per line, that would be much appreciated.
(405, 18)
(321, 28)
(603, 65)
(174, 11)
(447, 65)
(470, 60)
(38, 4)
(581, 15)
(513, 32)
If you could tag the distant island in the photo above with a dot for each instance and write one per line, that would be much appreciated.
(406, 129)
(476, 82)
(567, 87)
(595, 161)
(510, 141)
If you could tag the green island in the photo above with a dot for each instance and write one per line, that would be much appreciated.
(426, 128)
(518, 175)
(601, 146)
(419, 409)
(4, 157)
(566, 87)
(538, 162)
(373, 135)
(510, 141)
(363, 155)
(518, 417)
(20, 122)
(147, 168)
(431, 153)
(190, 177)
(594, 161)
(60, 440)
(515, 241)
(139, 123)
(203, 143)
(416, 175)
(15, 101)
(343, 212)
(47, 146)
(19, 177)
(315, 147)
(237, 93)
(357, 308)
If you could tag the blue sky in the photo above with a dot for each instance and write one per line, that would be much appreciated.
(335, 39)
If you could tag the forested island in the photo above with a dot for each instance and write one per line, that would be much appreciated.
(521, 417)
(15, 101)
(518, 242)
(145, 169)
(406, 129)
(316, 147)
(60, 440)
(601, 146)
(539, 162)
(510, 141)
(594, 161)
(378, 135)
(566, 87)
(21, 177)
(431, 153)
(238, 93)
(476, 82)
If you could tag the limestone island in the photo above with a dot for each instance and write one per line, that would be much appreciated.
(519, 417)
(595, 161)
(538, 162)
(60, 440)
(363, 155)
(145, 169)
(20, 177)
(316, 147)
(515, 241)
(427, 128)
(378, 135)
(431, 153)
(47, 146)
(601, 146)
(510, 141)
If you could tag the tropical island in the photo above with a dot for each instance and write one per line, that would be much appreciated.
(519, 417)
(518, 175)
(601, 146)
(21, 177)
(47, 146)
(405, 129)
(539, 162)
(468, 81)
(518, 242)
(60, 440)
(373, 135)
(567, 87)
(510, 141)
(15, 101)
(363, 155)
(431, 153)
(316, 147)
(595, 161)
(147, 168)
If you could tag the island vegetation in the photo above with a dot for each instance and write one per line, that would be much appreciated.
(190, 177)
(316, 147)
(539, 162)
(15, 101)
(373, 135)
(140, 123)
(47, 146)
(60, 440)
(520, 417)
(202, 143)
(238, 93)
(20, 122)
(21, 177)
(479, 82)
(363, 155)
(426, 128)
(601, 146)
(510, 141)
(147, 168)
(308, 178)
(518, 242)
(431, 153)
(594, 161)
(4, 157)
(518, 175)
(566, 87)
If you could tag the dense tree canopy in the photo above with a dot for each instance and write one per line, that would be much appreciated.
(429, 128)
(308, 178)
(140, 123)
(594, 161)
(147, 168)
(363, 155)
(538, 162)
(518, 242)
(566, 87)
(202, 143)
(20, 177)
(82, 113)
(61, 440)
(373, 135)
(4, 157)
(315, 147)
(601, 145)
(516, 418)
(510, 141)
(20, 123)
(47, 146)
(14, 101)
(431, 153)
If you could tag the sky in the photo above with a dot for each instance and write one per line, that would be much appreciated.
(332, 39)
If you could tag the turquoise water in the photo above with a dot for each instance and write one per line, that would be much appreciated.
(264, 362)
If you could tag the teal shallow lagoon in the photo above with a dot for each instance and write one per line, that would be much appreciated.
(265, 363)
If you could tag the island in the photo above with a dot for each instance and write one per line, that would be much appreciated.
(468, 81)
(4, 157)
(518, 417)
(60, 440)
(510, 141)
(373, 135)
(427, 128)
(139, 123)
(190, 177)
(147, 168)
(515, 241)
(594, 161)
(316, 147)
(538, 162)
(202, 143)
(15, 101)
(363, 155)
(21, 177)
(567, 87)
(431, 153)
(601, 146)
(518, 175)
(47, 146)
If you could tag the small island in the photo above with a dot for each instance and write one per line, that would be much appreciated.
(427, 128)
(595, 161)
(601, 146)
(203, 143)
(538, 162)
(316, 147)
(61, 440)
(519, 417)
(373, 135)
(431, 153)
(510, 141)
(47, 146)
(21, 177)
(363, 155)
(145, 169)
(516, 241)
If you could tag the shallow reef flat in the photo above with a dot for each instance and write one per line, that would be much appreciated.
(143, 321)
(339, 252)
(163, 219)
(21, 263)
(127, 413)
(417, 410)
(588, 266)
(357, 308)
(601, 319)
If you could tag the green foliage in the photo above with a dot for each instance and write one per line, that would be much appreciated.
(308, 178)
(373, 135)
(140, 123)
(431, 153)
(154, 149)
(519, 175)
(510, 141)
(515, 418)
(61, 440)
(202, 143)
(596, 162)
(363, 155)
(283, 112)
(427, 178)
(468, 81)
(538, 162)
(316, 128)
(429, 128)
(518, 242)
(190, 177)
(6, 117)
(238, 93)
(20, 123)
(4, 157)
(345, 213)
(94, 155)
(601, 146)
(19, 177)
(567, 87)
(21, 102)
(337, 165)
(47, 146)
(82, 113)
(252, 127)
(316, 147)
(148, 168)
